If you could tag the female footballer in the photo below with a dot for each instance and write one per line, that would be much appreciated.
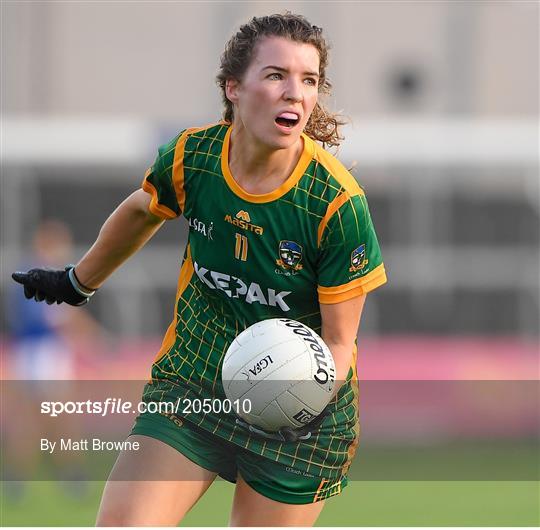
(278, 228)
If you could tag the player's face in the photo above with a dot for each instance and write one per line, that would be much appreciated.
(279, 91)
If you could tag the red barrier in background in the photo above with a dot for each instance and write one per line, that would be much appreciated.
(448, 358)
(412, 388)
(389, 358)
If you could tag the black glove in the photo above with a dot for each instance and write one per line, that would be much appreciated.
(54, 286)
(286, 434)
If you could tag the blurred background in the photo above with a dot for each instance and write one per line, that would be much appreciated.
(443, 103)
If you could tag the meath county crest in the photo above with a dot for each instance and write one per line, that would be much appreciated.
(290, 255)
(358, 258)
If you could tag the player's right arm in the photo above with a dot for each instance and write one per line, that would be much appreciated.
(128, 228)
(126, 231)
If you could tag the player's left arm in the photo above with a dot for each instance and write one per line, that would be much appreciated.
(340, 323)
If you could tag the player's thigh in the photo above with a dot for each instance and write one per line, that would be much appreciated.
(153, 486)
(251, 508)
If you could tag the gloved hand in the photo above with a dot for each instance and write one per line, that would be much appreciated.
(54, 286)
(286, 434)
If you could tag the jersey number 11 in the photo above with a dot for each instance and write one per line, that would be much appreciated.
(241, 247)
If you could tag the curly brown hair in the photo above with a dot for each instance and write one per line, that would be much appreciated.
(322, 125)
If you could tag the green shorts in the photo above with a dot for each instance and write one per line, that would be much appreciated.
(271, 479)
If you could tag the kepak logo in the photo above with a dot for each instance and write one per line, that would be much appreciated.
(290, 256)
(235, 287)
(243, 220)
(358, 258)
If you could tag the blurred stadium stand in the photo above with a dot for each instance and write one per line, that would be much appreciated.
(455, 203)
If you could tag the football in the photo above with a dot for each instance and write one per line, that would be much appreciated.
(282, 370)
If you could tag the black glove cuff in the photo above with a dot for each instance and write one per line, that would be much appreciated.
(77, 285)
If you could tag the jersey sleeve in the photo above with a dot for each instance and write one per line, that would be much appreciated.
(350, 262)
(164, 180)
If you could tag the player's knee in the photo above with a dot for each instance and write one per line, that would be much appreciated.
(116, 516)
(128, 514)
(108, 519)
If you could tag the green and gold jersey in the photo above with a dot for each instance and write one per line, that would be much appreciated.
(253, 257)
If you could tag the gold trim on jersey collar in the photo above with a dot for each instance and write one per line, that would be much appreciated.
(296, 175)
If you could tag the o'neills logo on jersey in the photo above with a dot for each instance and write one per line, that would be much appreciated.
(235, 287)
(243, 220)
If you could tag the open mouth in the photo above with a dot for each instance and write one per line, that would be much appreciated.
(286, 122)
(287, 119)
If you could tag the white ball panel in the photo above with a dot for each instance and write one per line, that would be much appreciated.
(261, 395)
(283, 368)
(311, 394)
(273, 418)
(261, 388)
(242, 369)
(244, 337)
(292, 407)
